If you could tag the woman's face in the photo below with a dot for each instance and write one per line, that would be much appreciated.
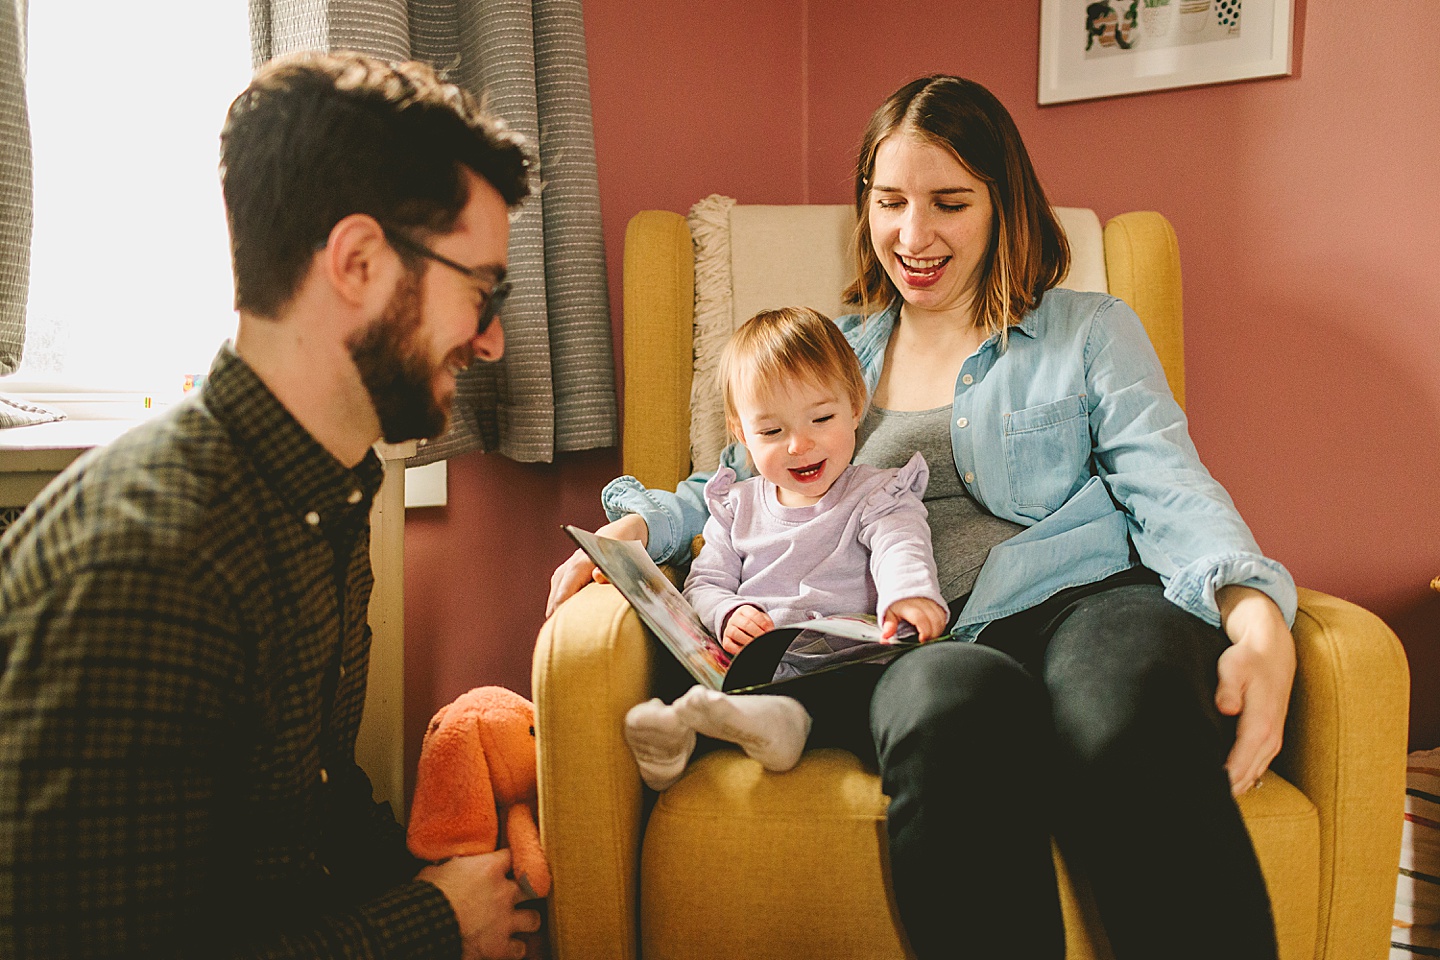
(930, 224)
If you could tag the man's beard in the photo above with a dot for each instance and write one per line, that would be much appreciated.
(396, 373)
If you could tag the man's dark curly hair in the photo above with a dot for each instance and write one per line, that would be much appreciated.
(318, 137)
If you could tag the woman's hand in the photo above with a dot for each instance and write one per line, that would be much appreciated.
(577, 571)
(925, 615)
(1255, 678)
(744, 624)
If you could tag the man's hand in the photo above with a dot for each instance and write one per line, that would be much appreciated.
(744, 625)
(577, 571)
(484, 903)
(925, 615)
(1255, 678)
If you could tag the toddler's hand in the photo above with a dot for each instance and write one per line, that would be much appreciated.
(925, 615)
(744, 625)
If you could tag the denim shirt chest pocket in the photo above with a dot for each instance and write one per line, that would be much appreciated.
(1047, 454)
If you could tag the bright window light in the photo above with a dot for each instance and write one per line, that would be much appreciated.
(130, 285)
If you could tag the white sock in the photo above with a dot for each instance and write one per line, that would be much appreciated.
(661, 742)
(769, 728)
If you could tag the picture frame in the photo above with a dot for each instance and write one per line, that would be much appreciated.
(1106, 48)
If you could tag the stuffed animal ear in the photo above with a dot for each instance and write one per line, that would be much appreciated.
(453, 813)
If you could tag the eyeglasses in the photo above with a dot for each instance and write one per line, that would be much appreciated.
(492, 296)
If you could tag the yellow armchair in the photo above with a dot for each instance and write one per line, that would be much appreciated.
(725, 863)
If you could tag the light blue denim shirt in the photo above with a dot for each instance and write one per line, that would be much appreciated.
(1071, 431)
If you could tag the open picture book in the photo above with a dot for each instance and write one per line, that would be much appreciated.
(774, 658)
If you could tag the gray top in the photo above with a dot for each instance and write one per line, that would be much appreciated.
(961, 530)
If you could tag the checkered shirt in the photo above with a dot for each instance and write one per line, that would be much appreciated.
(184, 644)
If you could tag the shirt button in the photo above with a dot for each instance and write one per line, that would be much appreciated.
(312, 518)
(354, 497)
(967, 379)
(342, 670)
(324, 775)
(962, 423)
(969, 476)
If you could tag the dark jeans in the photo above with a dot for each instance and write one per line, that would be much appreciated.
(1091, 717)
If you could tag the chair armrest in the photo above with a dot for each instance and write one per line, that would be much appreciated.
(659, 347)
(593, 662)
(1345, 743)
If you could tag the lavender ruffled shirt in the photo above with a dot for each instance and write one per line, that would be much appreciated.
(863, 546)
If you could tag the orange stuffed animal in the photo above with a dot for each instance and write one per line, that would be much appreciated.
(477, 770)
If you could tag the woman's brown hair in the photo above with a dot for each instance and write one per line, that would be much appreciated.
(1028, 251)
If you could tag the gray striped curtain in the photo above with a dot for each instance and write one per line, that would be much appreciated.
(555, 389)
(15, 186)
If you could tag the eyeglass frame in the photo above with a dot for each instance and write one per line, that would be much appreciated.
(494, 295)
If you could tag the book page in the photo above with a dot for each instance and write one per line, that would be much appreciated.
(810, 647)
(828, 642)
(659, 605)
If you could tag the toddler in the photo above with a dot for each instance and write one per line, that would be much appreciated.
(812, 535)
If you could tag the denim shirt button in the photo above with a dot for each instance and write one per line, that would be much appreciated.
(967, 379)
(962, 423)
(969, 476)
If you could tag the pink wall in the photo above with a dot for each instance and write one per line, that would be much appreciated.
(1309, 231)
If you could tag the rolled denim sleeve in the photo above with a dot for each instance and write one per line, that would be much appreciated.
(1184, 525)
(673, 518)
(1194, 587)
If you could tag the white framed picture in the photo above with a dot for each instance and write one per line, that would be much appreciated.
(1104, 48)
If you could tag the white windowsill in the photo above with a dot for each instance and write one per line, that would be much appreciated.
(80, 403)
(49, 443)
(93, 419)
(29, 456)
(52, 445)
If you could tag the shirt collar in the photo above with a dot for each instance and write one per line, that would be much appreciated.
(319, 489)
(870, 344)
(1029, 324)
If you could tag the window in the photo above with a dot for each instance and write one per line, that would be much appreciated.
(130, 284)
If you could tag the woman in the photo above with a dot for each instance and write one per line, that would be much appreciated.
(1132, 659)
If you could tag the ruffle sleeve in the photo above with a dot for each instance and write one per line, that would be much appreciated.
(908, 482)
(717, 495)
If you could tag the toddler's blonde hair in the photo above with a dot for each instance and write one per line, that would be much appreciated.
(776, 346)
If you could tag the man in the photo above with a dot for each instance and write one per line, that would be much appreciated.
(183, 643)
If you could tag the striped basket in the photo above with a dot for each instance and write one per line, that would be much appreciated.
(1416, 931)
